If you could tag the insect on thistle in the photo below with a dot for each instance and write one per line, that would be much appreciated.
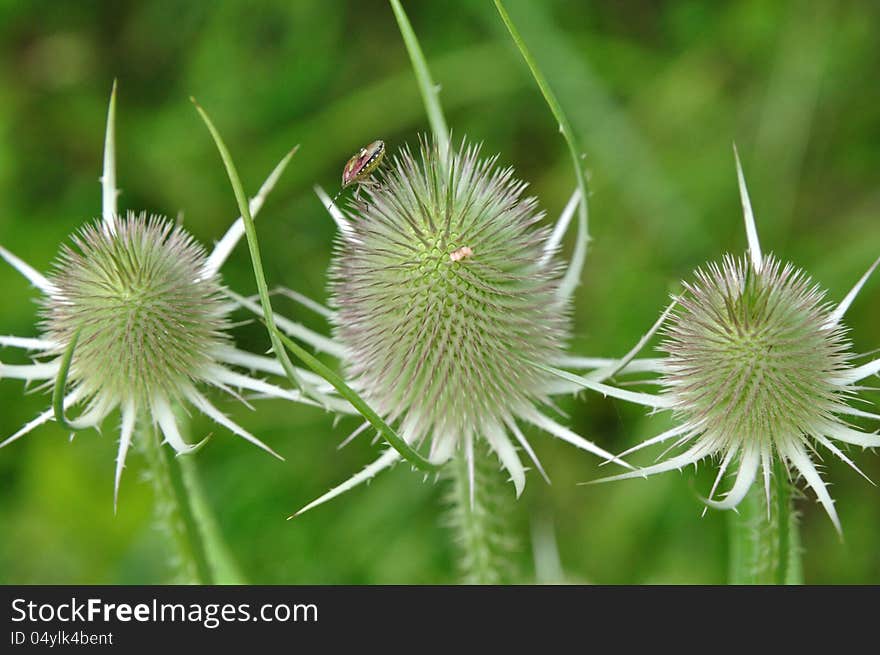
(462, 253)
(361, 166)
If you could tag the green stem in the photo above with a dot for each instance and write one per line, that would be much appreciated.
(250, 231)
(480, 520)
(765, 546)
(580, 253)
(394, 440)
(430, 91)
(223, 566)
(172, 510)
(183, 511)
(277, 337)
(482, 527)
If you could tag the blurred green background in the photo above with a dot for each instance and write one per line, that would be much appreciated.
(656, 92)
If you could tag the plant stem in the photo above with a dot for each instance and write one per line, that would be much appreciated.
(571, 279)
(430, 91)
(277, 338)
(224, 569)
(184, 513)
(394, 440)
(765, 545)
(481, 521)
(250, 231)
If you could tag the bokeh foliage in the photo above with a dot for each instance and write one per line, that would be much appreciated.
(656, 92)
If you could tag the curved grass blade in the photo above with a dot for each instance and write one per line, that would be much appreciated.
(254, 247)
(279, 340)
(570, 281)
(394, 440)
(430, 91)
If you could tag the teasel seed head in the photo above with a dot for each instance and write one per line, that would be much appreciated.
(752, 358)
(148, 315)
(443, 301)
(758, 370)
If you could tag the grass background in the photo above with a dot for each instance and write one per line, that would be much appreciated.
(656, 92)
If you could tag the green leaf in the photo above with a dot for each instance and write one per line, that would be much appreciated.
(279, 340)
(394, 439)
(250, 231)
(583, 236)
(430, 91)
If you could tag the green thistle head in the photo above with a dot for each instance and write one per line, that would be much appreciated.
(149, 319)
(753, 358)
(136, 308)
(758, 371)
(451, 308)
(444, 298)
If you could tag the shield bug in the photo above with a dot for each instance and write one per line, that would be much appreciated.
(359, 168)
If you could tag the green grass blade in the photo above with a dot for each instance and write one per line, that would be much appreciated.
(570, 280)
(250, 231)
(430, 91)
(394, 440)
(279, 340)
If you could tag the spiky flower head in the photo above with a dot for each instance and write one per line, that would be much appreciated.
(449, 304)
(443, 300)
(753, 359)
(150, 318)
(758, 370)
(138, 307)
